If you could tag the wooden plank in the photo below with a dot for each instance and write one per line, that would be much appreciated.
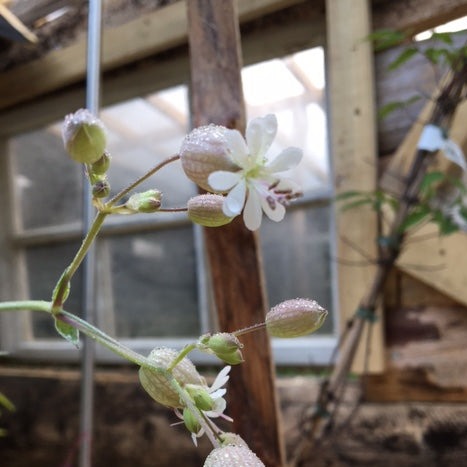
(145, 36)
(353, 149)
(166, 28)
(233, 251)
(426, 354)
(160, 72)
(414, 16)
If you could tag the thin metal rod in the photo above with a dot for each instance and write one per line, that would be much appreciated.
(89, 264)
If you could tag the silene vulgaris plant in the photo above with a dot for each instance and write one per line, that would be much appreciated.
(241, 178)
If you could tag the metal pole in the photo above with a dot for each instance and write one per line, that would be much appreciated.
(89, 284)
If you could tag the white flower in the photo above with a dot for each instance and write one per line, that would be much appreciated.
(216, 392)
(256, 187)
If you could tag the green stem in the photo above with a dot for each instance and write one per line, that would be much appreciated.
(119, 349)
(60, 291)
(194, 410)
(173, 209)
(181, 355)
(103, 338)
(141, 179)
(34, 305)
(254, 327)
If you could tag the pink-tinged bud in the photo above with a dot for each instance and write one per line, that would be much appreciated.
(233, 456)
(207, 210)
(158, 386)
(101, 188)
(294, 318)
(84, 136)
(203, 151)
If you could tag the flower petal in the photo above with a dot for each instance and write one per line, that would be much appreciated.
(260, 134)
(273, 209)
(238, 150)
(218, 393)
(234, 201)
(287, 159)
(253, 213)
(222, 180)
(221, 379)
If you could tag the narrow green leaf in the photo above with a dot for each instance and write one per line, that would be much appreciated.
(350, 194)
(385, 38)
(390, 107)
(445, 224)
(445, 37)
(436, 55)
(356, 204)
(403, 57)
(415, 217)
(5, 402)
(68, 332)
(429, 179)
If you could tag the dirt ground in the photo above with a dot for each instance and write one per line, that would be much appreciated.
(130, 429)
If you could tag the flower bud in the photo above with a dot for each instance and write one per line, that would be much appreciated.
(147, 202)
(207, 210)
(157, 384)
(222, 342)
(232, 358)
(200, 397)
(294, 318)
(84, 136)
(204, 151)
(191, 421)
(232, 456)
(225, 346)
(102, 164)
(101, 188)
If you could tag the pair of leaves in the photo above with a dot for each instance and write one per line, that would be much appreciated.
(376, 199)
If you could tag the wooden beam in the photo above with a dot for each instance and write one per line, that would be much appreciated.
(414, 16)
(353, 150)
(233, 251)
(166, 28)
(145, 36)
(165, 70)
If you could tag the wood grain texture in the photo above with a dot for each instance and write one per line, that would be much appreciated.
(353, 149)
(233, 252)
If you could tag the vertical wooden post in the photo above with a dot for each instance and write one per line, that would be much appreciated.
(217, 97)
(354, 152)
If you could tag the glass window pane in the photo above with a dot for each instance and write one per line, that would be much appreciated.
(296, 255)
(47, 182)
(143, 133)
(45, 265)
(154, 284)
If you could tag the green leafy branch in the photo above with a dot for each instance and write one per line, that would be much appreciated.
(427, 207)
(443, 53)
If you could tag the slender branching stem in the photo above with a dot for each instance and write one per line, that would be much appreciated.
(141, 179)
